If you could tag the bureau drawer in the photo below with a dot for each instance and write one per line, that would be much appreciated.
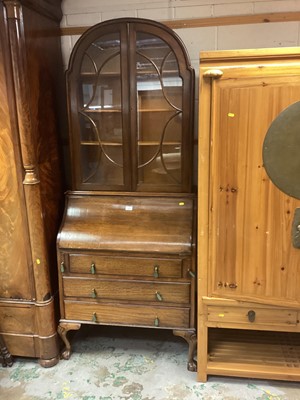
(254, 316)
(131, 266)
(130, 315)
(128, 290)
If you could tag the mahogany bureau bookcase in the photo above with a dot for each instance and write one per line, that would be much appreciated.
(248, 266)
(30, 185)
(126, 247)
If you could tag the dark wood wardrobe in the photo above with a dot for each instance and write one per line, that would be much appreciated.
(31, 185)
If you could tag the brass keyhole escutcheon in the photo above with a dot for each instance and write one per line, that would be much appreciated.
(156, 321)
(251, 316)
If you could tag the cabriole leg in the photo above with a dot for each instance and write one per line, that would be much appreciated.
(191, 338)
(63, 329)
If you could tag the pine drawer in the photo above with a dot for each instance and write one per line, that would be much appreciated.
(126, 314)
(256, 316)
(128, 290)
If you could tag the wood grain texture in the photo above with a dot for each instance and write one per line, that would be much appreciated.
(120, 223)
(245, 249)
(16, 279)
(30, 191)
(44, 62)
(129, 315)
(251, 249)
(50, 9)
(158, 292)
(128, 266)
(265, 354)
(18, 319)
(126, 247)
(239, 315)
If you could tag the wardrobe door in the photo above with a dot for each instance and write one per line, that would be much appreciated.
(252, 255)
(16, 277)
(31, 176)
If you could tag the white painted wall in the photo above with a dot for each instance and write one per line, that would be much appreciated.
(283, 34)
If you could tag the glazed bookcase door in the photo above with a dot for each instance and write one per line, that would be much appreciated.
(130, 107)
(100, 115)
(159, 117)
(252, 256)
(99, 112)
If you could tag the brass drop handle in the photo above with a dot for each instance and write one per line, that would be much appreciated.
(251, 316)
(192, 274)
(94, 317)
(94, 293)
(93, 268)
(156, 322)
(62, 267)
(159, 296)
(156, 271)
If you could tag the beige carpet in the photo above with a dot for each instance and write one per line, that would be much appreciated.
(129, 364)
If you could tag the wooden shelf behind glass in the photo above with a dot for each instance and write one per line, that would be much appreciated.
(143, 143)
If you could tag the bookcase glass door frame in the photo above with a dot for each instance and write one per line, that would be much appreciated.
(158, 95)
(128, 105)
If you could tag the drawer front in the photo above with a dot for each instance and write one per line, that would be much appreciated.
(163, 292)
(124, 314)
(255, 316)
(131, 266)
(17, 319)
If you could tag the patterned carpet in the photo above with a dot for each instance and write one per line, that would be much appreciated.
(127, 364)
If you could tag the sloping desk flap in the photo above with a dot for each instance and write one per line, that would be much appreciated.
(127, 223)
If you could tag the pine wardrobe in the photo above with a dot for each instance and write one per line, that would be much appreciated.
(248, 265)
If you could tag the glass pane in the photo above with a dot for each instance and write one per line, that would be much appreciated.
(159, 112)
(102, 165)
(100, 113)
(159, 165)
(99, 54)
